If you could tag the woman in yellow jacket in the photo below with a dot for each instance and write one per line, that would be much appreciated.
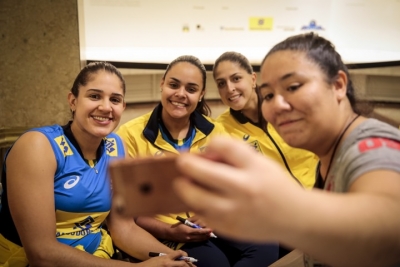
(181, 123)
(236, 82)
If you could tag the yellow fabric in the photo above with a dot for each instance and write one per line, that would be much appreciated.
(137, 144)
(302, 163)
(12, 255)
(105, 249)
(132, 134)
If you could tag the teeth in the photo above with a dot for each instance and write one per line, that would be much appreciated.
(100, 118)
(234, 97)
(177, 104)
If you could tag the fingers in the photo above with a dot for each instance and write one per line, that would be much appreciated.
(229, 150)
(191, 193)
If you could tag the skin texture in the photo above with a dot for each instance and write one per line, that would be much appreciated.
(232, 179)
(97, 111)
(236, 88)
(181, 90)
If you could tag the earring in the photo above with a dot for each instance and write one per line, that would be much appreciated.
(200, 100)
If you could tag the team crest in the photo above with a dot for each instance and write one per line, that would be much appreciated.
(111, 147)
(255, 145)
(63, 145)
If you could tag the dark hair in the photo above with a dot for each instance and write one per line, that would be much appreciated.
(202, 106)
(321, 52)
(235, 57)
(85, 75)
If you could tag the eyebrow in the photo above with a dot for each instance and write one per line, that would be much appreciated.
(230, 76)
(101, 91)
(176, 80)
(284, 77)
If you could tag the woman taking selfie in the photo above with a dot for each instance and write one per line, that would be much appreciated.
(353, 218)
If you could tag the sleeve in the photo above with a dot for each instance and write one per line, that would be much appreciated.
(368, 155)
(129, 140)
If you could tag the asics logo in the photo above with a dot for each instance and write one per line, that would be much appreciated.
(71, 182)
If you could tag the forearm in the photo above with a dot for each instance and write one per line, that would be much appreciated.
(134, 240)
(346, 230)
(60, 255)
(155, 227)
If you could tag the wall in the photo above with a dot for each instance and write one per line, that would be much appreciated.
(39, 44)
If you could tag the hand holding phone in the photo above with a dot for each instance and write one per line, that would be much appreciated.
(143, 186)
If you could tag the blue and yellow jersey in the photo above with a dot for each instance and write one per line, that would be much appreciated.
(82, 191)
(300, 163)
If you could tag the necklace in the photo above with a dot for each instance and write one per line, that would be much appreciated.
(336, 146)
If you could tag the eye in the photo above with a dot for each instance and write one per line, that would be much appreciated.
(116, 100)
(237, 78)
(173, 85)
(293, 87)
(94, 96)
(191, 90)
(220, 84)
(268, 96)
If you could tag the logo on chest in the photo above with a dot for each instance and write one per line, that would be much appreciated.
(72, 182)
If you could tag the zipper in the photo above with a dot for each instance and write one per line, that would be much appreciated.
(282, 156)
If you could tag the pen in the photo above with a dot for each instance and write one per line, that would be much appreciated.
(193, 225)
(182, 258)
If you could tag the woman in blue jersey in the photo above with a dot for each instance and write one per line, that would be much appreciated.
(57, 194)
(309, 97)
(181, 123)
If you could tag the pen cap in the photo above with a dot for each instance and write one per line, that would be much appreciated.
(179, 218)
(154, 254)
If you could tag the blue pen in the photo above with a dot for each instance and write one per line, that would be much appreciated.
(193, 225)
(182, 258)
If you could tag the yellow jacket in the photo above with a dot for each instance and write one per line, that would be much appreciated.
(300, 163)
(143, 137)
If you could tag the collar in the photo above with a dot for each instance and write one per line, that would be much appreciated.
(68, 133)
(196, 119)
(240, 117)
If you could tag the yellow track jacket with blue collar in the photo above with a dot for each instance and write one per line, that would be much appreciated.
(143, 137)
(301, 164)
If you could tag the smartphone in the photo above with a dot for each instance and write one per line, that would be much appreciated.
(143, 186)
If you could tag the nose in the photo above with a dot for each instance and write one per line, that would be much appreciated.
(180, 92)
(105, 105)
(231, 86)
(280, 104)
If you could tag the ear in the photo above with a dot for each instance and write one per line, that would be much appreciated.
(340, 85)
(254, 79)
(202, 94)
(72, 101)
(162, 84)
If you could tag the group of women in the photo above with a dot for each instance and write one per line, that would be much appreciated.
(253, 169)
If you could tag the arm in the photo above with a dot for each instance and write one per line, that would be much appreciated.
(30, 180)
(359, 228)
(132, 239)
(173, 232)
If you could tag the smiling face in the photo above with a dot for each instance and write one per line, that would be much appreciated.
(98, 106)
(181, 90)
(235, 85)
(297, 99)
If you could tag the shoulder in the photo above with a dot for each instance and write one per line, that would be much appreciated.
(373, 145)
(224, 116)
(134, 125)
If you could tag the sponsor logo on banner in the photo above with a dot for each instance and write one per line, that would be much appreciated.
(260, 23)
